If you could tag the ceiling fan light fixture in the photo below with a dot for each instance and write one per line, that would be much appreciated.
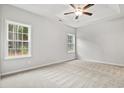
(78, 12)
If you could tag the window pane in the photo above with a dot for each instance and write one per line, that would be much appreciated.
(25, 45)
(20, 36)
(25, 29)
(11, 44)
(14, 36)
(10, 36)
(18, 52)
(11, 52)
(15, 28)
(14, 44)
(18, 45)
(17, 36)
(71, 46)
(20, 29)
(70, 39)
(25, 37)
(25, 51)
(10, 27)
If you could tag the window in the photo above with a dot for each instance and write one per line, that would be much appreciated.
(18, 40)
(71, 43)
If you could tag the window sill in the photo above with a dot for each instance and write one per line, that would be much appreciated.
(18, 57)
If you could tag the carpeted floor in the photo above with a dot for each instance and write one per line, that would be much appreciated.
(73, 74)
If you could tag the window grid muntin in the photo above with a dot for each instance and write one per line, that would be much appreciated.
(15, 40)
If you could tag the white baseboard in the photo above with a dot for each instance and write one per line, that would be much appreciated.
(104, 62)
(32, 68)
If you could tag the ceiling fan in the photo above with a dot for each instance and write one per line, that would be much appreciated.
(78, 10)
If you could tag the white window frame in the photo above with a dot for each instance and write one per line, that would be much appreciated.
(73, 37)
(7, 40)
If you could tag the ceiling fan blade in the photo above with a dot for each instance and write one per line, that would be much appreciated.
(76, 17)
(72, 5)
(87, 13)
(68, 13)
(87, 6)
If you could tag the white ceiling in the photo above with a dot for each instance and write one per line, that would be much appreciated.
(56, 12)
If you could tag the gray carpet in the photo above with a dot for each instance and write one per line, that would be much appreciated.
(73, 74)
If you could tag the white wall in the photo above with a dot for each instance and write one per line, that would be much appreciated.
(102, 42)
(48, 40)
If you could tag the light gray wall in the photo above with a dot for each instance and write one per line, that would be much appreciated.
(102, 42)
(0, 43)
(48, 40)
